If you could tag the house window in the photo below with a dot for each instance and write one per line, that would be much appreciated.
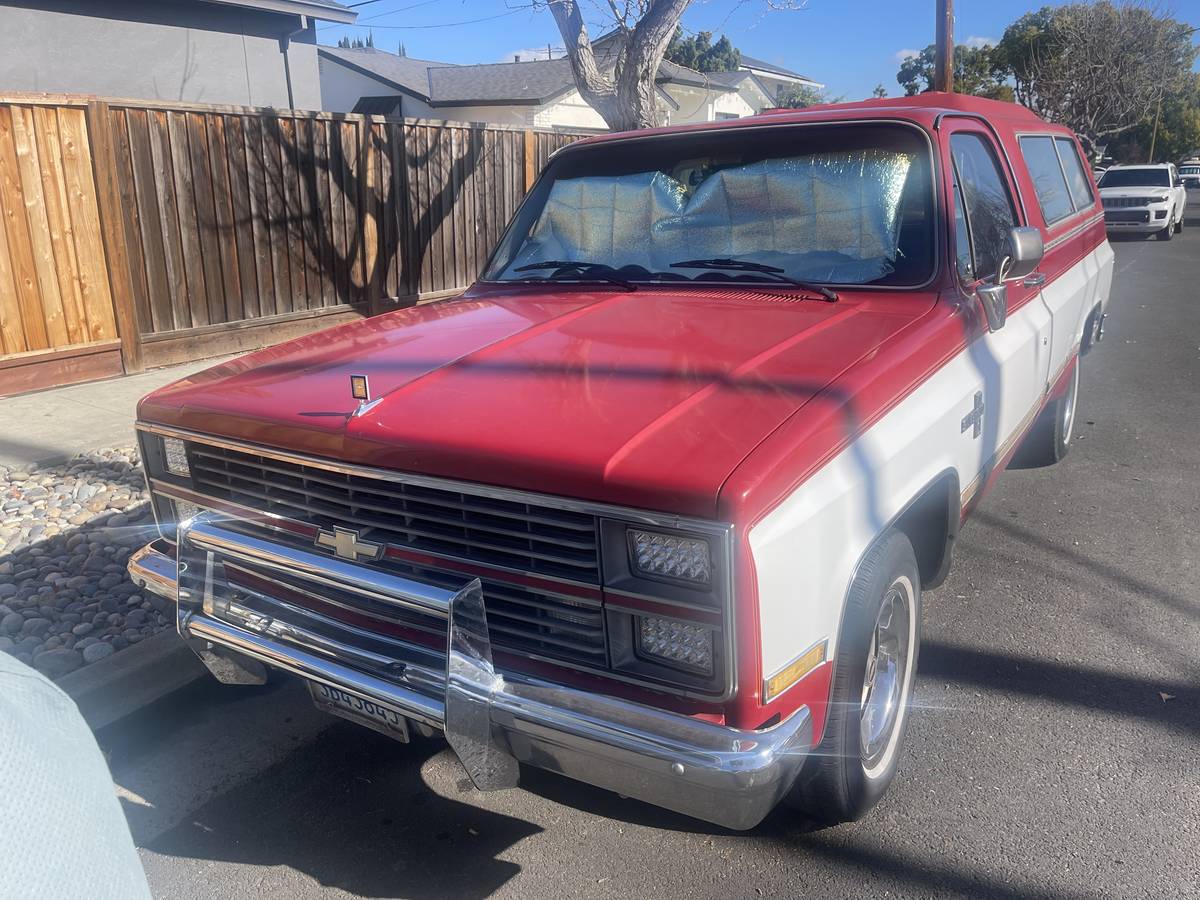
(721, 116)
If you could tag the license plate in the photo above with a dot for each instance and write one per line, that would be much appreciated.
(371, 713)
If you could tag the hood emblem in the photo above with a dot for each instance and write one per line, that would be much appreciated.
(360, 390)
(345, 544)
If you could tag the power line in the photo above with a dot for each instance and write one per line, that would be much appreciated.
(512, 12)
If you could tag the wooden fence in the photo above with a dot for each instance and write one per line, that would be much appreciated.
(136, 234)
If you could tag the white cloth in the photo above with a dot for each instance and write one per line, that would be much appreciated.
(62, 832)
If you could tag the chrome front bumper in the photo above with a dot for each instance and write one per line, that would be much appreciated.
(493, 721)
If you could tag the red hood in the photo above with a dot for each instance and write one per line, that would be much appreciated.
(647, 399)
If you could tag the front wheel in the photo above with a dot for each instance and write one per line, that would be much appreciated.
(1169, 232)
(876, 663)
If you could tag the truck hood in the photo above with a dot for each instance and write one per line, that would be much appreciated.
(647, 398)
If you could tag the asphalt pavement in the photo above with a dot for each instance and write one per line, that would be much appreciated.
(1054, 750)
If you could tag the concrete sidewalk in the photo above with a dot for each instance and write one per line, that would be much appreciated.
(54, 425)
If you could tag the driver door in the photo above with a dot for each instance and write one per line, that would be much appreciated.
(1010, 366)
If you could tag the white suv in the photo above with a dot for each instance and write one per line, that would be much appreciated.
(1144, 200)
(1189, 171)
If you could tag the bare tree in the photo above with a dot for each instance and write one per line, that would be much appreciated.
(621, 85)
(1105, 65)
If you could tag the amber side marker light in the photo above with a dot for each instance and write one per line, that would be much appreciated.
(793, 672)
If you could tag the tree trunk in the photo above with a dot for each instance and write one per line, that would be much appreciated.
(625, 96)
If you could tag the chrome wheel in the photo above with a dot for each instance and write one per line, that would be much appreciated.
(887, 677)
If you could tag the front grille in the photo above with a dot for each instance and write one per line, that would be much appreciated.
(438, 522)
(519, 619)
(1124, 202)
(511, 535)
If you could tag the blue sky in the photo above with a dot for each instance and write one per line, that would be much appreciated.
(850, 45)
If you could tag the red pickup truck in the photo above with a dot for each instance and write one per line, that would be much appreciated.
(653, 503)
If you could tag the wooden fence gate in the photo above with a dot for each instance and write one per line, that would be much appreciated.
(135, 235)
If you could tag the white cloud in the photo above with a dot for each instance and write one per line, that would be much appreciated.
(529, 53)
(902, 55)
(975, 42)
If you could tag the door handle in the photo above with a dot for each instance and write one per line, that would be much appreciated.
(1035, 279)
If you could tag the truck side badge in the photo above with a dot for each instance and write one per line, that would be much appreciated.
(974, 419)
(360, 388)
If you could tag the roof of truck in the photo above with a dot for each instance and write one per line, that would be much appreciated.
(921, 107)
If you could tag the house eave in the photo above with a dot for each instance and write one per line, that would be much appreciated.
(296, 8)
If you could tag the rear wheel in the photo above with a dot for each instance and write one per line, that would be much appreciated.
(872, 686)
(1050, 438)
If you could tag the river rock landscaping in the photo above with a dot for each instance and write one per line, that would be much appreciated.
(66, 533)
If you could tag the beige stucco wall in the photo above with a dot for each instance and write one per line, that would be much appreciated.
(568, 111)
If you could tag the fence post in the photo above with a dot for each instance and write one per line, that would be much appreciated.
(112, 232)
(530, 159)
(368, 168)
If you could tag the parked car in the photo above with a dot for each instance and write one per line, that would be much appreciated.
(1144, 199)
(653, 504)
(1189, 173)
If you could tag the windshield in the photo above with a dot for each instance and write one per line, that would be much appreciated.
(1190, 170)
(849, 204)
(1135, 178)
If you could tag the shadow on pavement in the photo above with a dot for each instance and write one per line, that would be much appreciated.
(351, 811)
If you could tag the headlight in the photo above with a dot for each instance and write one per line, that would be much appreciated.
(175, 457)
(1162, 199)
(680, 644)
(670, 556)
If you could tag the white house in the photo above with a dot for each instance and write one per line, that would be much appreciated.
(537, 93)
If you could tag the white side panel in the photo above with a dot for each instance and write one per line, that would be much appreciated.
(1070, 298)
(806, 549)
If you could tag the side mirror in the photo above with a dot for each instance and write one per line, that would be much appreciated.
(994, 298)
(1024, 254)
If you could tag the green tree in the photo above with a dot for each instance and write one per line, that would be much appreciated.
(1178, 129)
(974, 73)
(1100, 68)
(880, 92)
(700, 53)
(1025, 41)
(802, 96)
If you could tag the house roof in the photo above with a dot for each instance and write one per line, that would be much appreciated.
(327, 10)
(534, 81)
(761, 65)
(403, 73)
(531, 82)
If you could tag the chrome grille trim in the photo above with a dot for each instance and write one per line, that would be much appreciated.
(499, 532)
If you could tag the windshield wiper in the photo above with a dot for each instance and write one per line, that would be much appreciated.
(597, 271)
(745, 265)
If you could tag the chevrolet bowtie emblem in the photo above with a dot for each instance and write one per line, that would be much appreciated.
(344, 543)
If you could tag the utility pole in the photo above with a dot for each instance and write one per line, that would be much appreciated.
(943, 57)
(1154, 133)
